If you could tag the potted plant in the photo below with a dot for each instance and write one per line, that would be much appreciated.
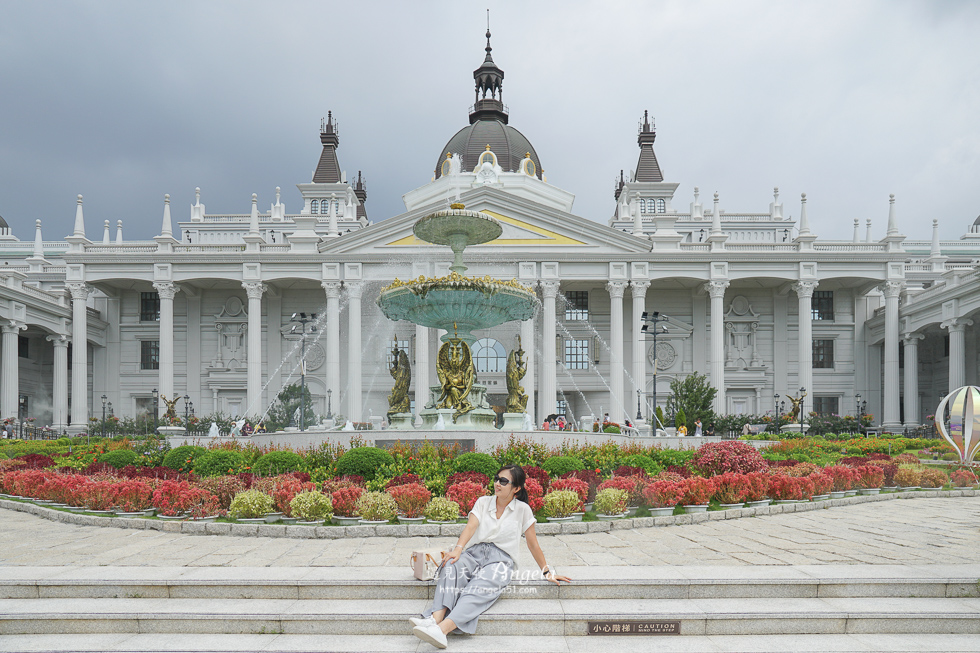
(560, 504)
(610, 504)
(963, 479)
(250, 506)
(376, 508)
(697, 494)
(580, 487)
(345, 505)
(934, 478)
(311, 507)
(757, 492)
(411, 499)
(785, 489)
(908, 477)
(841, 480)
(731, 489)
(870, 479)
(662, 496)
(441, 510)
(821, 485)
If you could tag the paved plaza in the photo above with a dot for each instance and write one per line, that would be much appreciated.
(907, 532)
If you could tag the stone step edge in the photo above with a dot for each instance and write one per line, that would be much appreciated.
(452, 530)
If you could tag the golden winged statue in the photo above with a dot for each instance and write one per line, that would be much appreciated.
(794, 415)
(171, 406)
(456, 373)
(401, 372)
(516, 369)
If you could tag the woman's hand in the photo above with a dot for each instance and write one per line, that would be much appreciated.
(554, 578)
(453, 556)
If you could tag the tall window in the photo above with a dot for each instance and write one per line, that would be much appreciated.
(826, 405)
(149, 307)
(577, 354)
(314, 206)
(577, 305)
(149, 354)
(402, 344)
(822, 305)
(23, 347)
(561, 407)
(661, 206)
(823, 354)
(489, 355)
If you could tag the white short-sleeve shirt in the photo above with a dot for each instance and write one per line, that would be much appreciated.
(505, 533)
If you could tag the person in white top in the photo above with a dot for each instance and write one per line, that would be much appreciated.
(479, 567)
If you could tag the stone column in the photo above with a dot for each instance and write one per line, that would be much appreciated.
(79, 356)
(167, 291)
(59, 386)
(254, 290)
(617, 404)
(547, 393)
(716, 290)
(332, 289)
(804, 294)
(911, 342)
(890, 418)
(957, 351)
(528, 344)
(354, 391)
(10, 372)
(421, 368)
(639, 289)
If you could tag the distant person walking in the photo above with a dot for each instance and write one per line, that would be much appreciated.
(697, 428)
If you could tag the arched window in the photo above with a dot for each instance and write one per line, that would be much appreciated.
(661, 206)
(487, 157)
(489, 355)
(643, 206)
(447, 166)
(314, 207)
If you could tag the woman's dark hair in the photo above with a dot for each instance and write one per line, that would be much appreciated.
(518, 477)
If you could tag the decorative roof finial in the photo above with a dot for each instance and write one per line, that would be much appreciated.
(166, 228)
(79, 219)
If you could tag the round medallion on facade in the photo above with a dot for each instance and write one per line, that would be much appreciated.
(665, 355)
(315, 357)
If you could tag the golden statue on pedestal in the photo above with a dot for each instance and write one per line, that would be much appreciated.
(456, 374)
(794, 414)
(401, 372)
(516, 369)
(171, 404)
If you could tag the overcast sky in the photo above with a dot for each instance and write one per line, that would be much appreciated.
(846, 101)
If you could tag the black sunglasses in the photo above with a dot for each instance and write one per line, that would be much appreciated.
(504, 482)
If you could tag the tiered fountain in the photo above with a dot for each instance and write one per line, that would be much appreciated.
(459, 305)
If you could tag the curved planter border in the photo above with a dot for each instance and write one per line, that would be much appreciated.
(451, 530)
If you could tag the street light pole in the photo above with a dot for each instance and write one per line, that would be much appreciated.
(639, 415)
(802, 392)
(302, 319)
(156, 409)
(187, 414)
(654, 319)
(329, 403)
(104, 398)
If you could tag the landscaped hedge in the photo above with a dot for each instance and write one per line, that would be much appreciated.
(558, 465)
(364, 461)
(182, 458)
(477, 462)
(277, 462)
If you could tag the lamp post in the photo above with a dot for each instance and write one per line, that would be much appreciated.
(187, 413)
(639, 415)
(156, 409)
(104, 398)
(802, 392)
(857, 408)
(654, 319)
(329, 404)
(301, 320)
(112, 413)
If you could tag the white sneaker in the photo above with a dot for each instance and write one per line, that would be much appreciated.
(422, 621)
(432, 634)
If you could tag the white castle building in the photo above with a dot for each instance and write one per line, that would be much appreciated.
(757, 301)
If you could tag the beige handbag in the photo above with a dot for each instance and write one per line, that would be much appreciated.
(426, 562)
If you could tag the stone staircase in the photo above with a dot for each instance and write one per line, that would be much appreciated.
(813, 608)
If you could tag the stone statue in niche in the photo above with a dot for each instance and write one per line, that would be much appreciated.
(742, 336)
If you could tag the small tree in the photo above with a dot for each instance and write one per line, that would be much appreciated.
(661, 420)
(680, 419)
(287, 405)
(693, 395)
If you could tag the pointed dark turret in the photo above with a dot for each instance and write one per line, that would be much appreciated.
(360, 191)
(489, 82)
(328, 168)
(647, 169)
(619, 185)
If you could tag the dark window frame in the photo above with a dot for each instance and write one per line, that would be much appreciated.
(23, 347)
(149, 307)
(826, 405)
(577, 305)
(823, 354)
(149, 354)
(822, 305)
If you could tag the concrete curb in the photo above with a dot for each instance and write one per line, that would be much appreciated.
(453, 530)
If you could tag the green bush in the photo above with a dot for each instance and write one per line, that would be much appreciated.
(311, 506)
(177, 458)
(219, 462)
(680, 419)
(561, 503)
(477, 462)
(648, 464)
(250, 504)
(441, 509)
(277, 462)
(558, 465)
(364, 461)
(119, 458)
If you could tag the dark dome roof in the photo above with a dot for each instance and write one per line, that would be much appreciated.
(977, 221)
(507, 143)
(3, 223)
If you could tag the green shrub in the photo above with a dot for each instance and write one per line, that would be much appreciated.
(250, 504)
(680, 419)
(477, 462)
(610, 501)
(376, 506)
(441, 509)
(558, 465)
(561, 503)
(311, 506)
(277, 462)
(648, 464)
(219, 462)
(118, 458)
(363, 461)
(178, 458)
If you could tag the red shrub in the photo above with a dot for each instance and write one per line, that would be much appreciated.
(176, 497)
(626, 470)
(403, 479)
(224, 488)
(783, 463)
(716, 458)
(282, 489)
(332, 485)
(680, 470)
(853, 461)
(36, 461)
(162, 473)
(801, 470)
(538, 475)
(411, 498)
(785, 488)
(468, 477)
(302, 477)
(663, 494)
(465, 493)
(870, 476)
(730, 488)
(888, 469)
(133, 495)
(355, 479)
(879, 456)
(589, 476)
(822, 483)
(247, 478)
(535, 494)
(963, 478)
(843, 477)
(578, 486)
(98, 495)
(98, 468)
(670, 476)
(345, 499)
(757, 486)
(632, 485)
(697, 491)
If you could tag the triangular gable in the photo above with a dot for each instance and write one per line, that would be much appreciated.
(515, 232)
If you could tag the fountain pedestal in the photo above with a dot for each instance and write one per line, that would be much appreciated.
(481, 418)
(401, 421)
(513, 422)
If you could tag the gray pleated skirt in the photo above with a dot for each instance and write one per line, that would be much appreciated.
(468, 588)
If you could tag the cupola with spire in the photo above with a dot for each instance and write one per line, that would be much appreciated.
(647, 168)
(328, 168)
(489, 102)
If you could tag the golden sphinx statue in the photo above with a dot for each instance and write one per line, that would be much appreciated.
(516, 369)
(401, 372)
(456, 375)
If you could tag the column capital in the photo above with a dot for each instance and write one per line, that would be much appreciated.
(332, 288)
(58, 340)
(956, 324)
(355, 289)
(911, 339)
(166, 289)
(892, 289)
(616, 289)
(78, 290)
(254, 289)
(804, 289)
(549, 289)
(717, 288)
(12, 326)
(639, 288)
